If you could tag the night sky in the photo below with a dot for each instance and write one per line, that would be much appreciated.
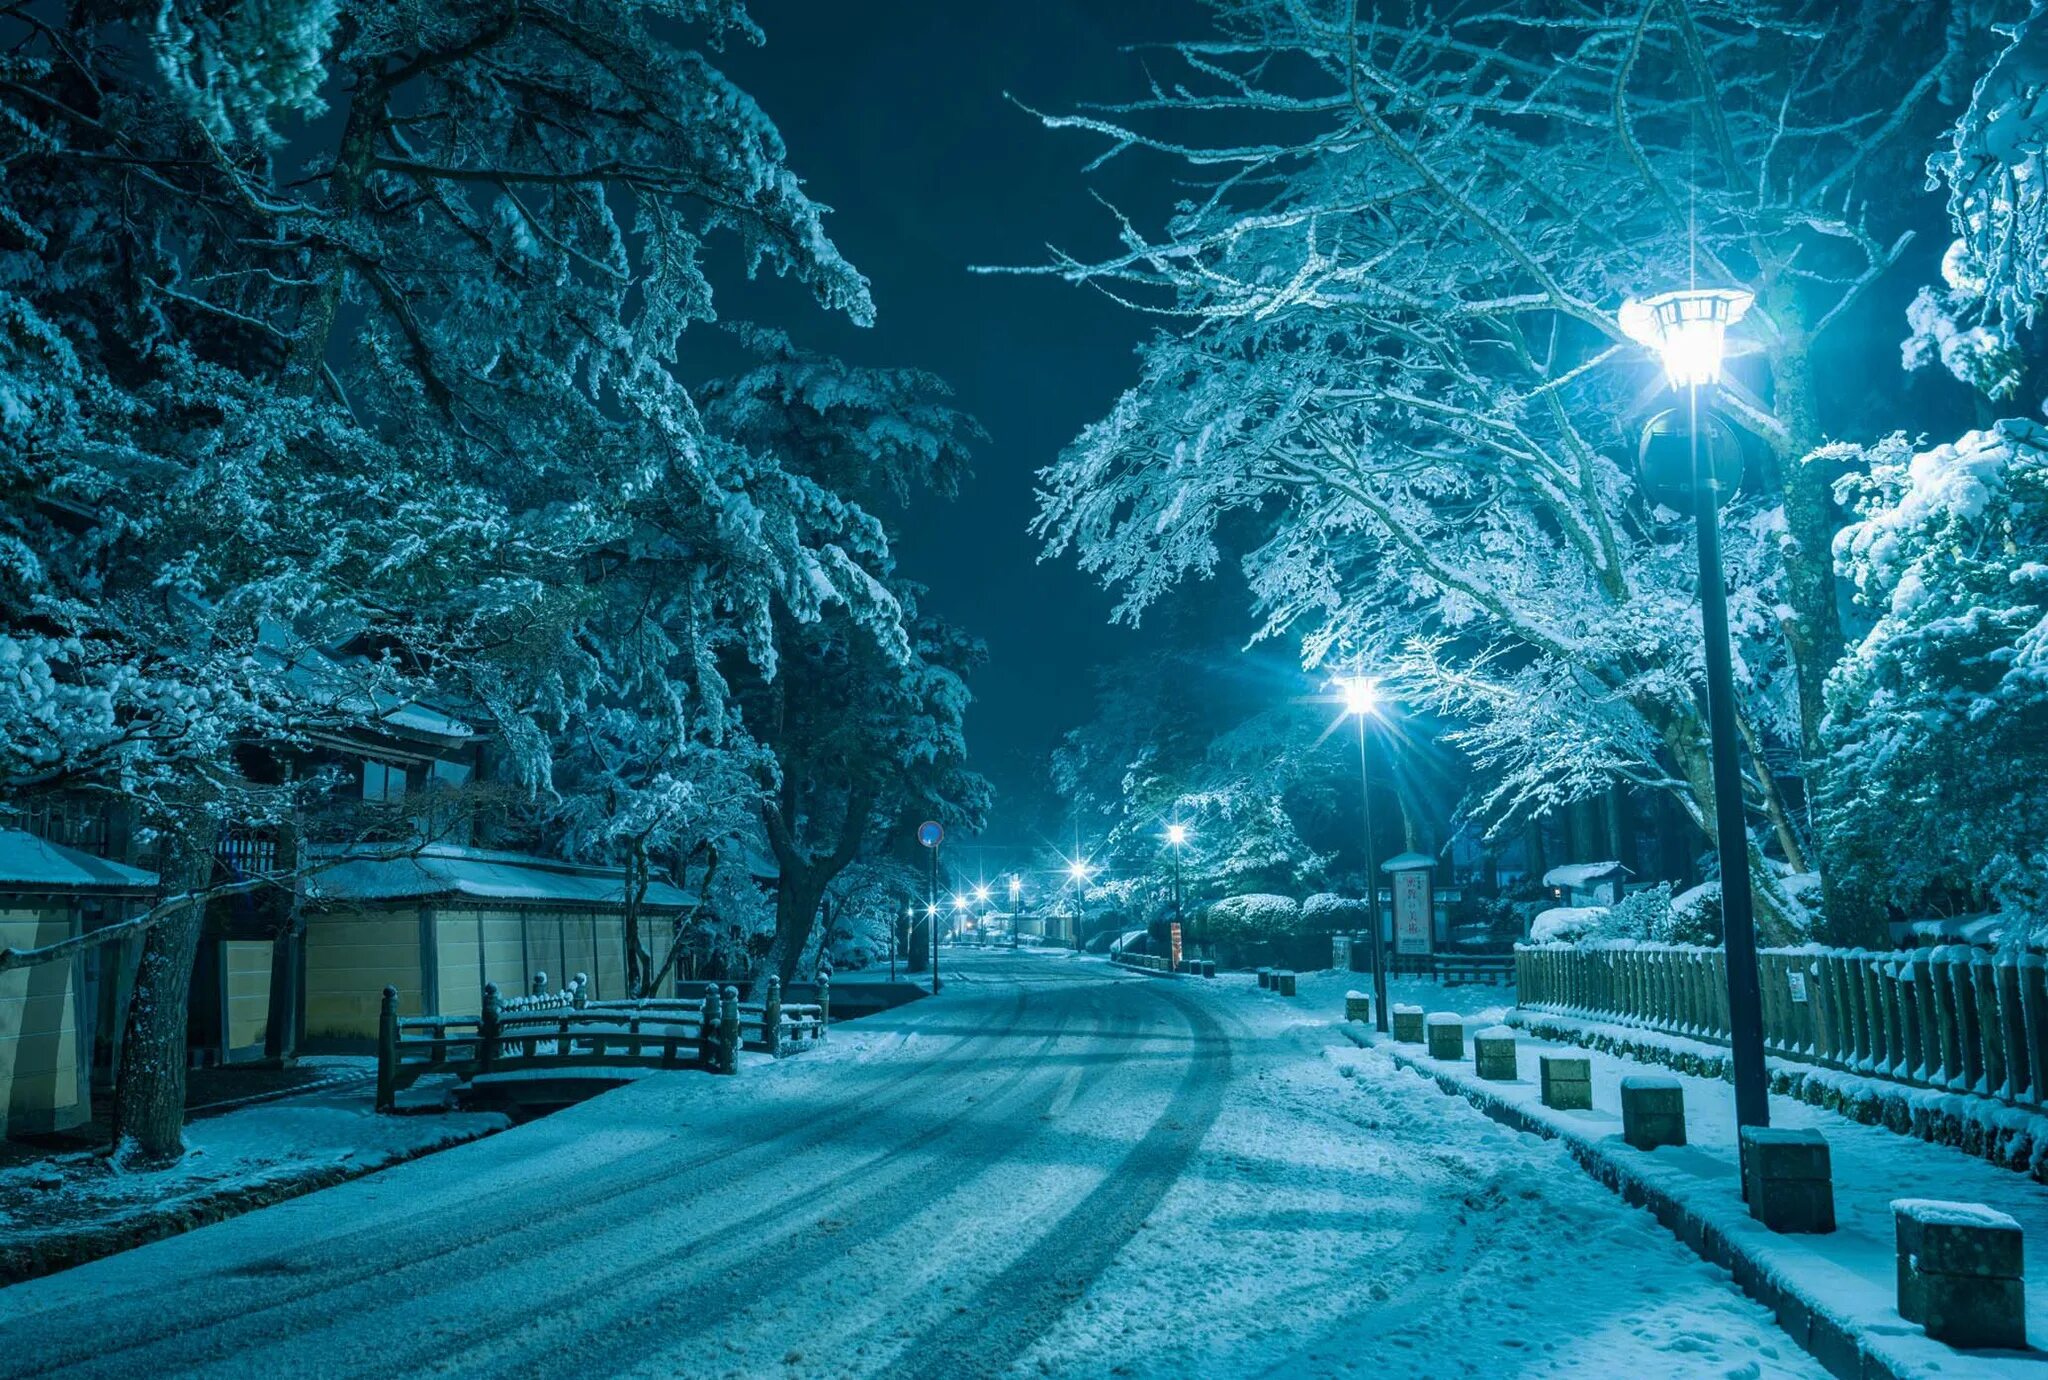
(895, 115)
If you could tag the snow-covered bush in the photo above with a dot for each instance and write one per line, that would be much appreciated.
(1328, 913)
(1937, 797)
(1252, 918)
(1566, 924)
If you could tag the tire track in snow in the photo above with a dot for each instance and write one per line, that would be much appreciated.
(1030, 1294)
(360, 1259)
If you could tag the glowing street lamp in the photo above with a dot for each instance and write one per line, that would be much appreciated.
(1361, 702)
(1688, 330)
(1079, 871)
(1177, 840)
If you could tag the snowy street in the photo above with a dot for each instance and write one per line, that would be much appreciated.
(1054, 1168)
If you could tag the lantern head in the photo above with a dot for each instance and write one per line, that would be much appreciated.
(1687, 329)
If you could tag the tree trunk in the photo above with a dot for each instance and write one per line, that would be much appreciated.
(635, 895)
(797, 895)
(149, 1086)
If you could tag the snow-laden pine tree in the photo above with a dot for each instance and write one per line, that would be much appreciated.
(860, 699)
(347, 320)
(1390, 369)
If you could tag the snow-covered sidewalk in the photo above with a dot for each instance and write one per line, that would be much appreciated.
(71, 1208)
(1839, 1290)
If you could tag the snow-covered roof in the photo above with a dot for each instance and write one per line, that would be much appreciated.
(1407, 862)
(1584, 874)
(30, 863)
(479, 874)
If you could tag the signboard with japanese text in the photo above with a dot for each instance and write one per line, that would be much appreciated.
(1413, 931)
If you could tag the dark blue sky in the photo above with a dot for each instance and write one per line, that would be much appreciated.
(895, 116)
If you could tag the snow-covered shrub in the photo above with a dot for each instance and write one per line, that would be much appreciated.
(1328, 913)
(1253, 917)
(1936, 801)
(1566, 924)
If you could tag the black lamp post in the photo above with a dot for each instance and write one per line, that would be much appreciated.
(1361, 702)
(1691, 453)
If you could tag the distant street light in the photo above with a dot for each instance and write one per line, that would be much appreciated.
(1177, 840)
(1688, 331)
(1362, 702)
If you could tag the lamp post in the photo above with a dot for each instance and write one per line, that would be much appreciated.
(1688, 330)
(1177, 840)
(1361, 702)
(1078, 872)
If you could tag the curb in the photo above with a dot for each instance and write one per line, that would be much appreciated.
(1837, 1346)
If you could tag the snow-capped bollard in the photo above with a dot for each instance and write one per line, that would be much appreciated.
(1787, 1179)
(1567, 1081)
(487, 1026)
(1357, 1006)
(707, 1029)
(1962, 1273)
(1265, 977)
(1652, 1111)
(1283, 983)
(1208, 967)
(1446, 1031)
(1407, 1023)
(1493, 1054)
(824, 1002)
(729, 1031)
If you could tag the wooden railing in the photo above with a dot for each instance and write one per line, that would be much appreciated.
(1955, 1018)
(564, 1031)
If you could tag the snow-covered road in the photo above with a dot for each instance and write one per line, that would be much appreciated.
(1055, 1168)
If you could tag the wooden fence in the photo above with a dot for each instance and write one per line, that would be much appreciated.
(1955, 1018)
(562, 1031)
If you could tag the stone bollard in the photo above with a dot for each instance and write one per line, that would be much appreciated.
(1567, 1081)
(1283, 983)
(1493, 1055)
(1407, 1023)
(1652, 1111)
(707, 1028)
(1357, 1006)
(729, 1031)
(1446, 1031)
(1208, 967)
(824, 1004)
(1265, 977)
(1961, 1273)
(1787, 1179)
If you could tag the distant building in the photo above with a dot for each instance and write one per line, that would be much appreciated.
(53, 1015)
(1587, 884)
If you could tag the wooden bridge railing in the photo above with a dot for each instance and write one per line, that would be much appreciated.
(1955, 1018)
(567, 1032)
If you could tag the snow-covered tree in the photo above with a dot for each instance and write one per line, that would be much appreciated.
(402, 375)
(1938, 801)
(1398, 381)
(861, 698)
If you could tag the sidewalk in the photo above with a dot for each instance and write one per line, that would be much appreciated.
(62, 1210)
(1835, 1294)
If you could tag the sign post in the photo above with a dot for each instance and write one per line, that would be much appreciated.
(931, 835)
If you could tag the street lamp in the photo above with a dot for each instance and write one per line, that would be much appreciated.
(1688, 331)
(1177, 840)
(1361, 702)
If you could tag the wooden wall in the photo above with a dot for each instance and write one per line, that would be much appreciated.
(350, 956)
(41, 1084)
(245, 970)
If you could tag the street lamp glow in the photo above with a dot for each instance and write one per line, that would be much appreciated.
(1361, 695)
(932, 911)
(981, 892)
(1177, 834)
(959, 903)
(1687, 329)
(1078, 869)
